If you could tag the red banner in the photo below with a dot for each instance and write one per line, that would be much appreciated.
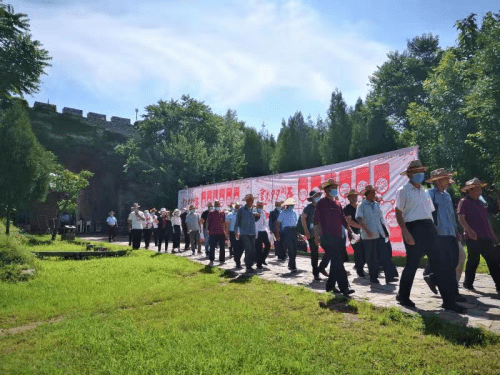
(315, 181)
(362, 178)
(222, 197)
(345, 179)
(303, 188)
(381, 178)
(229, 195)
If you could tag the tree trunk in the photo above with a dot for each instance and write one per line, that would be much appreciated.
(7, 226)
(56, 224)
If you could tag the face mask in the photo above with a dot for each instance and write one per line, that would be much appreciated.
(334, 192)
(210, 208)
(291, 207)
(316, 200)
(279, 209)
(230, 209)
(191, 211)
(216, 208)
(260, 210)
(418, 178)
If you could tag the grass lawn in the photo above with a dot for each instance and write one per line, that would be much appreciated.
(153, 314)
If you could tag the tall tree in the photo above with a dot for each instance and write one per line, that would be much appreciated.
(336, 144)
(22, 60)
(359, 140)
(25, 165)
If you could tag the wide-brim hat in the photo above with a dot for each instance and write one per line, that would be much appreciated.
(313, 194)
(152, 210)
(163, 209)
(237, 205)
(111, 212)
(437, 174)
(249, 196)
(216, 204)
(136, 205)
(278, 203)
(209, 204)
(367, 189)
(176, 211)
(471, 184)
(352, 192)
(330, 182)
(415, 166)
(290, 202)
(191, 207)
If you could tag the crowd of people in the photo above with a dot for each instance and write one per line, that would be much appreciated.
(426, 218)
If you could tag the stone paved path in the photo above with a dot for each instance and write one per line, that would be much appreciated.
(483, 304)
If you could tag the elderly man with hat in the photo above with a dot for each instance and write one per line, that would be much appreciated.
(414, 209)
(357, 245)
(136, 222)
(230, 220)
(193, 224)
(370, 218)
(216, 226)
(245, 230)
(273, 218)
(307, 225)
(328, 221)
(448, 233)
(154, 216)
(187, 239)
(261, 226)
(164, 229)
(112, 224)
(204, 216)
(479, 236)
(288, 218)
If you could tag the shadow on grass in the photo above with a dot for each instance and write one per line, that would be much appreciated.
(339, 304)
(209, 270)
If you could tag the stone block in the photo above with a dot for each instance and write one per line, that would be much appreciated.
(45, 106)
(120, 120)
(96, 116)
(73, 111)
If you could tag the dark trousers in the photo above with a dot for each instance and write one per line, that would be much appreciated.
(279, 251)
(155, 235)
(237, 248)
(291, 244)
(359, 256)
(485, 248)
(372, 250)
(425, 235)
(262, 239)
(163, 235)
(447, 246)
(334, 253)
(147, 237)
(176, 237)
(214, 240)
(136, 238)
(314, 255)
(385, 257)
(248, 244)
(187, 237)
(130, 237)
(112, 232)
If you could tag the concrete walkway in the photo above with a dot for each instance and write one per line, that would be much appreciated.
(483, 304)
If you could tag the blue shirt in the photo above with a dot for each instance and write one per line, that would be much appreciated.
(372, 217)
(231, 219)
(288, 218)
(446, 222)
(245, 221)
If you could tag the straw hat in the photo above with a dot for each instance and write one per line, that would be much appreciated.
(290, 202)
(471, 184)
(330, 182)
(111, 212)
(367, 189)
(216, 203)
(136, 205)
(352, 192)
(438, 174)
(415, 166)
(191, 207)
(314, 193)
(249, 196)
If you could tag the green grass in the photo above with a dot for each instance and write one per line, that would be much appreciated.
(149, 313)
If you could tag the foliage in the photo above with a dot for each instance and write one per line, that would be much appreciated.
(68, 185)
(22, 60)
(25, 165)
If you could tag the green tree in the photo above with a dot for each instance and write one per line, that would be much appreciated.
(22, 60)
(359, 139)
(337, 140)
(68, 185)
(24, 164)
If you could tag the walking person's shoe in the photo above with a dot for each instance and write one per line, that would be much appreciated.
(361, 273)
(293, 270)
(250, 270)
(323, 272)
(211, 264)
(238, 266)
(454, 307)
(333, 290)
(468, 287)
(374, 281)
(347, 292)
(405, 302)
(430, 283)
(317, 278)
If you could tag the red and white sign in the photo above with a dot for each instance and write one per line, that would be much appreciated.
(382, 170)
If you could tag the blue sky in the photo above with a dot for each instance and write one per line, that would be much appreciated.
(265, 59)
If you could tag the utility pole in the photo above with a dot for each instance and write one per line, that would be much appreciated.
(136, 110)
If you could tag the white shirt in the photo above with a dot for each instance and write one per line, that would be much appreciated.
(415, 204)
(111, 220)
(372, 217)
(148, 224)
(155, 220)
(176, 220)
(136, 221)
(261, 225)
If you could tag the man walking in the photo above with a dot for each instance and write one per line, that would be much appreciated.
(236, 244)
(245, 229)
(206, 236)
(216, 220)
(288, 218)
(328, 221)
(193, 229)
(187, 240)
(262, 237)
(357, 246)
(112, 226)
(414, 209)
(306, 219)
(273, 218)
(135, 223)
(230, 220)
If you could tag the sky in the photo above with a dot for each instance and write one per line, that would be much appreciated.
(265, 59)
